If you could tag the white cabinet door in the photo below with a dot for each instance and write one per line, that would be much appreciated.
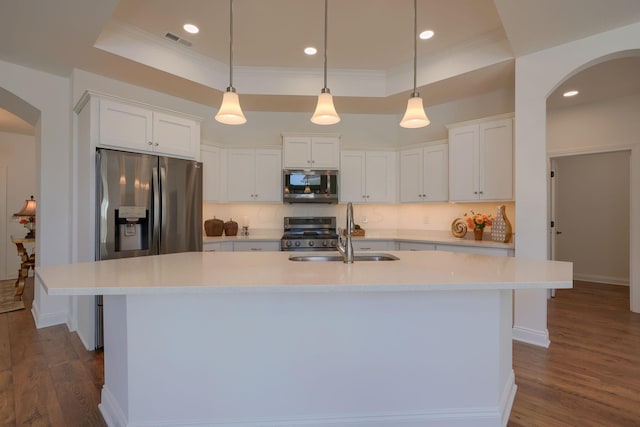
(367, 176)
(174, 135)
(352, 176)
(306, 152)
(210, 157)
(481, 161)
(411, 175)
(268, 181)
(424, 174)
(254, 175)
(463, 163)
(475, 250)
(241, 175)
(435, 184)
(125, 126)
(380, 177)
(496, 160)
(325, 153)
(297, 152)
(373, 245)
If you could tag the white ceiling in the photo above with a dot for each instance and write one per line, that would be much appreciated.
(369, 46)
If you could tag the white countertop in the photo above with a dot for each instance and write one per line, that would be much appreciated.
(209, 272)
(400, 235)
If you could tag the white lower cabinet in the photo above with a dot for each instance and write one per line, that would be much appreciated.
(256, 246)
(373, 245)
(217, 247)
(476, 250)
(254, 175)
(414, 246)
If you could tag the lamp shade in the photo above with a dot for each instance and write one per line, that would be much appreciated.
(230, 112)
(28, 209)
(325, 113)
(414, 117)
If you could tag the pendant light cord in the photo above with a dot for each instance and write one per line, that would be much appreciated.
(325, 43)
(415, 45)
(231, 44)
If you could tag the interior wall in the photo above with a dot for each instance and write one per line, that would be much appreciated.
(17, 171)
(592, 213)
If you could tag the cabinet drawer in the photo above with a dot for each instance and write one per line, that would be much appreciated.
(256, 246)
(373, 245)
(217, 246)
(410, 246)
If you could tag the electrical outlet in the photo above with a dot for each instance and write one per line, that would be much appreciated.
(364, 220)
(426, 220)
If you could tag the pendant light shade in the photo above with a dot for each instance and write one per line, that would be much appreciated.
(230, 112)
(415, 117)
(325, 113)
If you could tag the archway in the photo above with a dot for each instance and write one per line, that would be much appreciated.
(537, 75)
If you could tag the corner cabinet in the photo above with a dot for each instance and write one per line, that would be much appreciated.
(424, 174)
(254, 175)
(140, 128)
(367, 176)
(481, 160)
(311, 152)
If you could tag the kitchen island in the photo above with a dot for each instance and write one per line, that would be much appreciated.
(253, 339)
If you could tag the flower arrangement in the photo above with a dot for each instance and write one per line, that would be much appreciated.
(478, 221)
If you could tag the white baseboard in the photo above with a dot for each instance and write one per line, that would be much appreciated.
(610, 280)
(110, 410)
(50, 319)
(531, 336)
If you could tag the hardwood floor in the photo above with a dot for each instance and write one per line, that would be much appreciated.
(47, 378)
(589, 376)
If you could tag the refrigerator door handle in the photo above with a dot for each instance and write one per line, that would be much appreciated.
(163, 209)
(155, 188)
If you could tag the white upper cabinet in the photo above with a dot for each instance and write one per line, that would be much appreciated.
(137, 128)
(424, 174)
(367, 176)
(481, 161)
(254, 175)
(311, 152)
(211, 173)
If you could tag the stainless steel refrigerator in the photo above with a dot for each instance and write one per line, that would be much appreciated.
(146, 205)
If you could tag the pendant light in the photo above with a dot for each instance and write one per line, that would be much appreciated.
(415, 117)
(325, 113)
(230, 112)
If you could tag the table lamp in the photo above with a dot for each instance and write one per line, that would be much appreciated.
(28, 215)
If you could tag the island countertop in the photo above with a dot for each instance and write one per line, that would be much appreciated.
(211, 272)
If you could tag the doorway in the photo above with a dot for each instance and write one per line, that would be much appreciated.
(590, 210)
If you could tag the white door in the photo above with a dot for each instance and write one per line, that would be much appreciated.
(297, 152)
(325, 153)
(436, 173)
(268, 176)
(241, 175)
(176, 136)
(379, 177)
(411, 175)
(496, 160)
(352, 176)
(125, 126)
(463, 163)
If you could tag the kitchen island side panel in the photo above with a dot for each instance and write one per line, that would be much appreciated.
(309, 358)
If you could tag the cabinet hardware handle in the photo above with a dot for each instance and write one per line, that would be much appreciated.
(156, 144)
(150, 143)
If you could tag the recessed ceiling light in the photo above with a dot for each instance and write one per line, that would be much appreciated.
(310, 50)
(190, 28)
(426, 35)
(570, 93)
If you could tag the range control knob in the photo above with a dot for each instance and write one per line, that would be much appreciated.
(324, 243)
(288, 243)
(297, 242)
(311, 243)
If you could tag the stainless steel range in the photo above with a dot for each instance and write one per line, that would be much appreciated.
(309, 233)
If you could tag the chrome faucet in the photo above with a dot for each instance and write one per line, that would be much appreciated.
(345, 246)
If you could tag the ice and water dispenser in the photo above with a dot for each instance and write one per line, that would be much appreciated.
(132, 228)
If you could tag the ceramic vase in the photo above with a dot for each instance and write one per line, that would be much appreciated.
(477, 234)
(501, 230)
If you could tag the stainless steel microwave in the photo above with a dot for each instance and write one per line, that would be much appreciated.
(310, 186)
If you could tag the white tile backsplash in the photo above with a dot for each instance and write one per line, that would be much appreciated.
(374, 216)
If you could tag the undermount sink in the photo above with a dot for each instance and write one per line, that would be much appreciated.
(360, 257)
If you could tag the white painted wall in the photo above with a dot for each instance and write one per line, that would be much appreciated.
(18, 180)
(43, 100)
(592, 212)
(537, 75)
